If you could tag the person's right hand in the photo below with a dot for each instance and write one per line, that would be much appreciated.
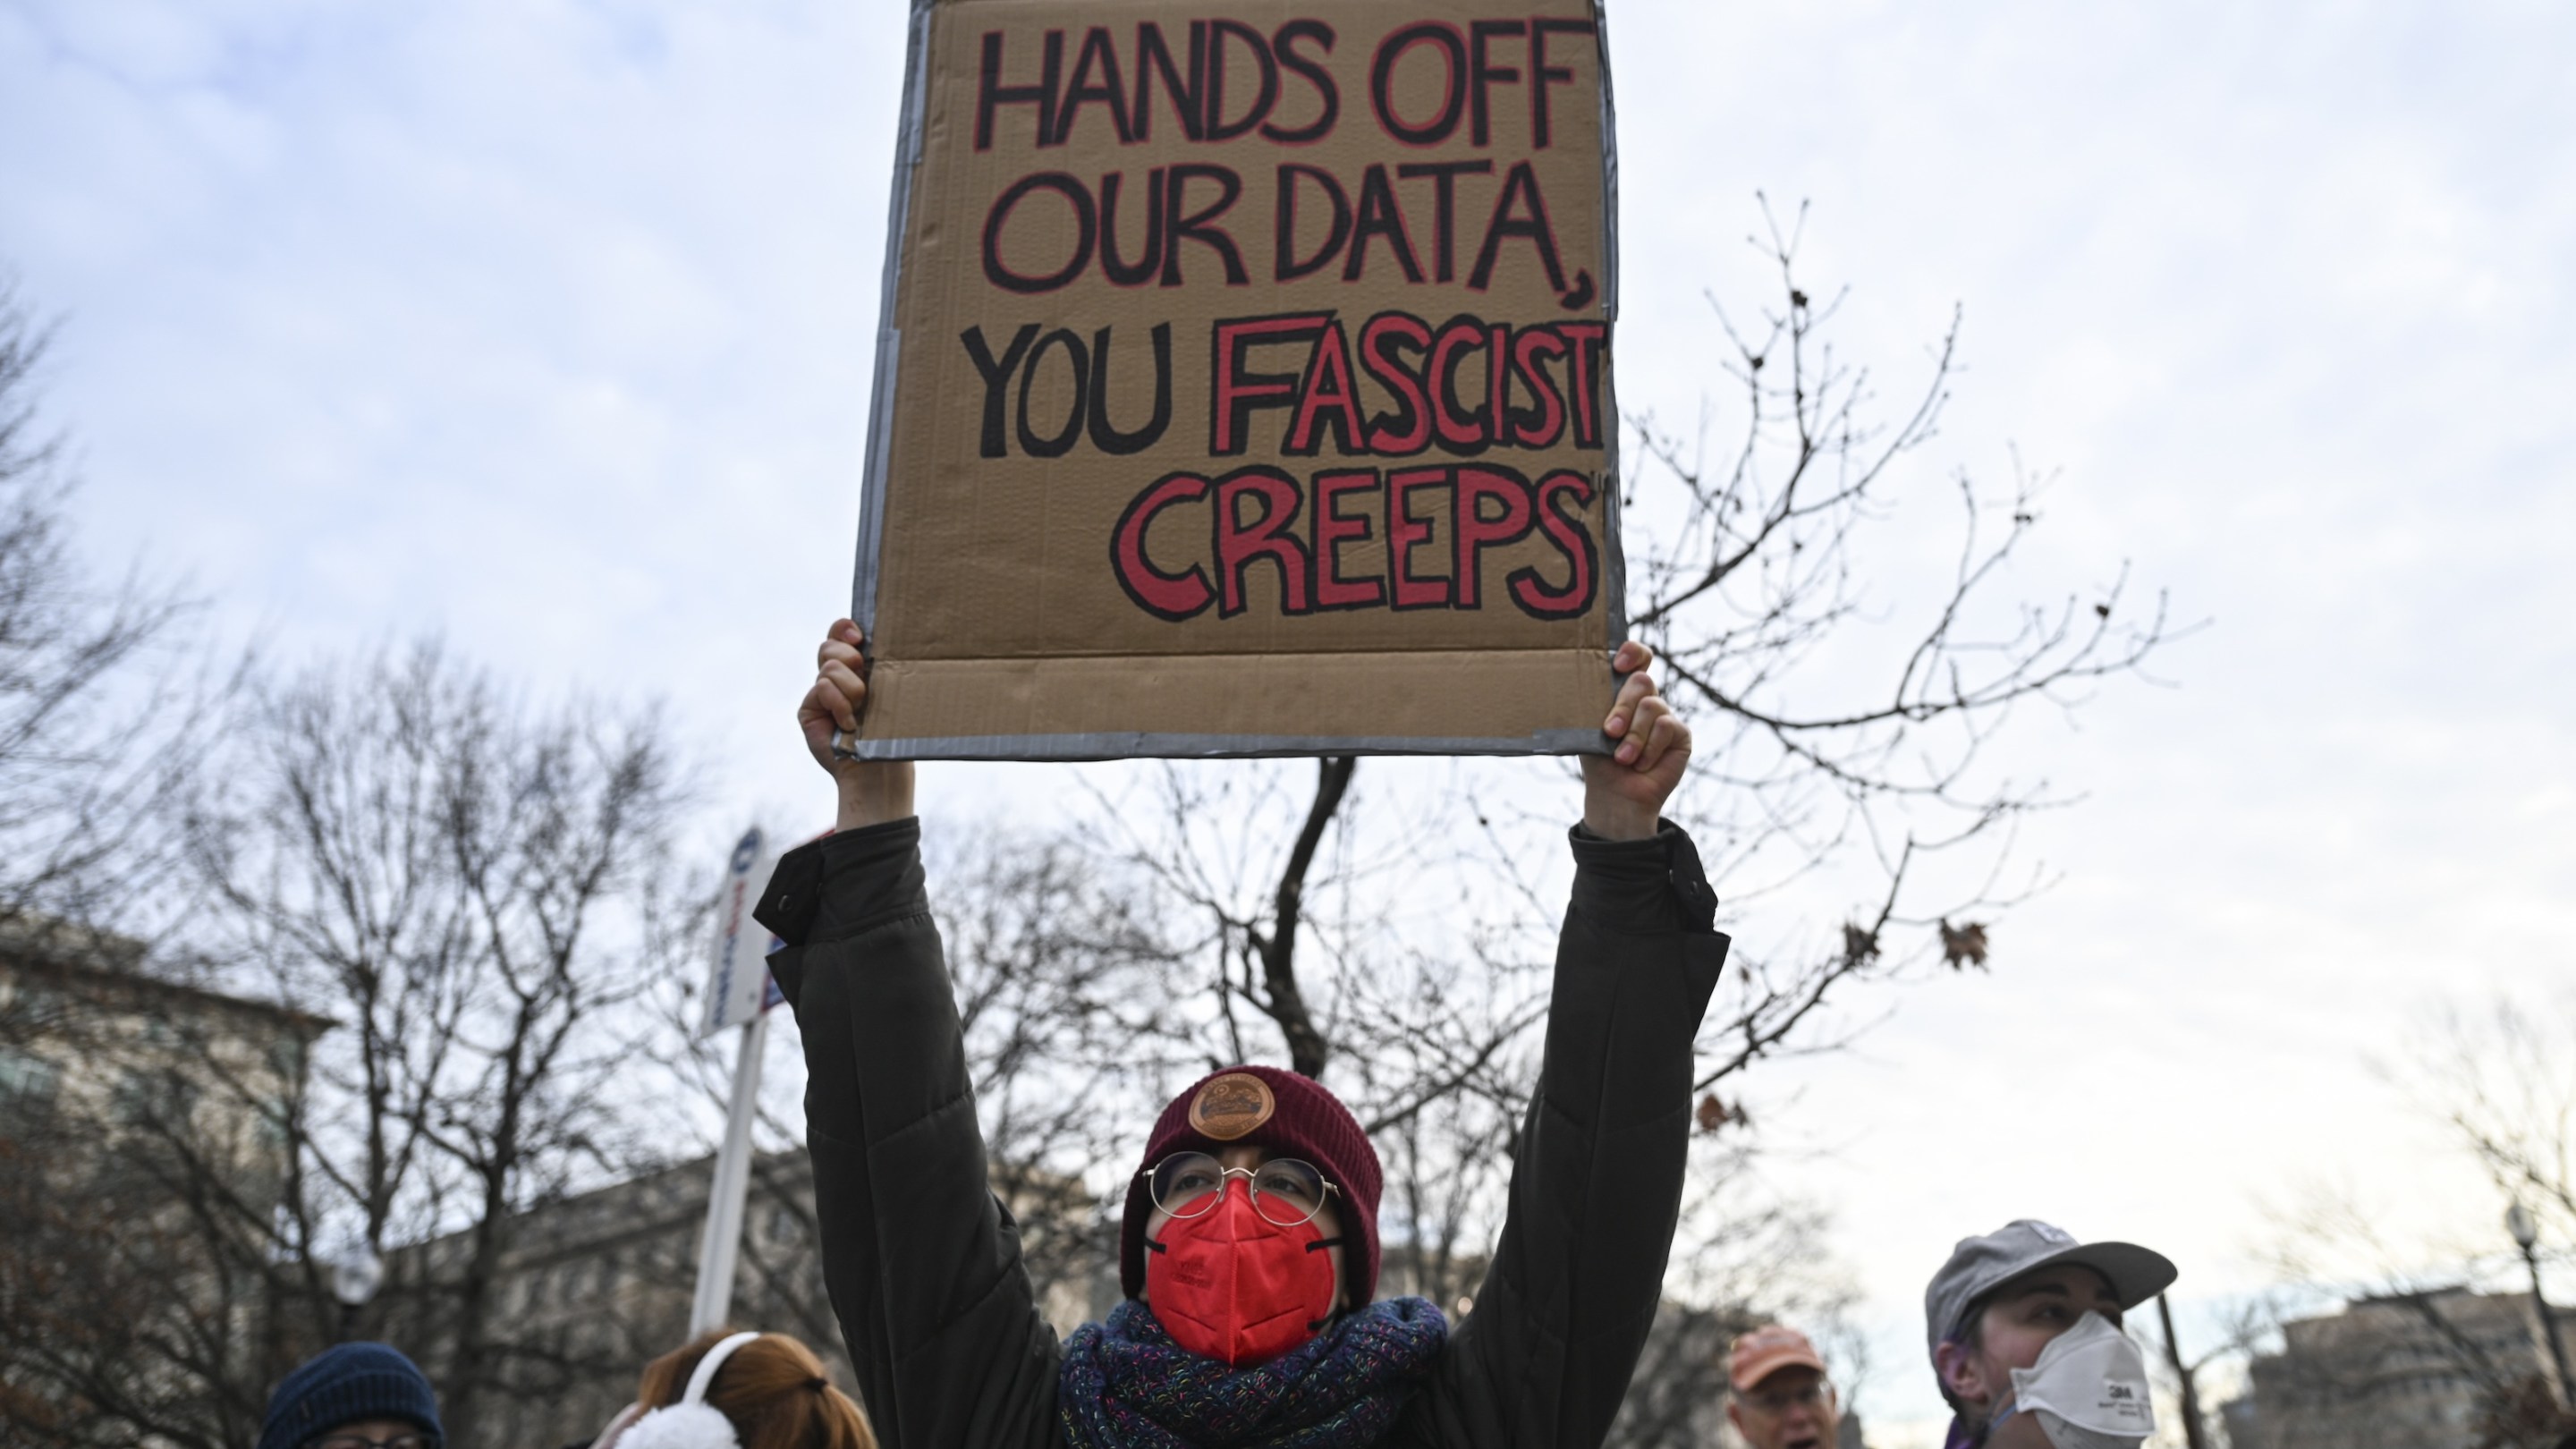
(872, 791)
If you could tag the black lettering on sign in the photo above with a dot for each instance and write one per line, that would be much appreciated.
(1543, 75)
(1186, 87)
(1059, 443)
(1442, 37)
(1212, 110)
(995, 374)
(1444, 207)
(1086, 225)
(1286, 265)
(1380, 217)
(1104, 435)
(1095, 82)
(1518, 213)
(1312, 72)
(1090, 383)
(991, 95)
(1482, 73)
(1199, 226)
(1120, 271)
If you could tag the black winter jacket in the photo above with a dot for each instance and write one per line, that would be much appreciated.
(923, 1262)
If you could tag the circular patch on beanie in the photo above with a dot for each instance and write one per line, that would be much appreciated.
(1231, 1105)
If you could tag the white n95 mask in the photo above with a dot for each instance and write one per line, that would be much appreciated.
(2089, 1388)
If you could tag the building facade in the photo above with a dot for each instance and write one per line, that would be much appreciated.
(142, 1158)
(596, 1285)
(2396, 1371)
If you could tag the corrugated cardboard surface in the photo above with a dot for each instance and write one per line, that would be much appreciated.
(1003, 621)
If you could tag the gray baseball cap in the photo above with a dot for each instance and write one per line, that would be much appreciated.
(1979, 1266)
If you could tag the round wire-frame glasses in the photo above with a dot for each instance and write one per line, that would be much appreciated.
(1286, 1191)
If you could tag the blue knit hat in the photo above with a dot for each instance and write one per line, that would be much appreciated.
(346, 1385)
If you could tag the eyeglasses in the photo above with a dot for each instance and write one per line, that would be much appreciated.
(1781, 1401)
(1285, 1191)
(361, 1441)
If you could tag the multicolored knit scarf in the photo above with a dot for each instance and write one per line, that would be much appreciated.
(1126, 1385)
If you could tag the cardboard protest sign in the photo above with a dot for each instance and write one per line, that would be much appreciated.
(1244, 386)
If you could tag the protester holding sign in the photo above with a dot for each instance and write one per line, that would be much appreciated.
(2026, 1340)
(1250, 1250)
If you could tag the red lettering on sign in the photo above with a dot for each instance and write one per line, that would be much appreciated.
(1333, 528)
(1327, 396)
(1260, 515)
(1165, 596)
(1241, 543)
(1406, 532)
(1478, 530)
(1572, 539)
(1236, 391)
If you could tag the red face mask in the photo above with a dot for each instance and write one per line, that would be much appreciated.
(1231, 1285)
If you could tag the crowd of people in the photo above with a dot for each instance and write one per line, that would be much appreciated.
(722, 1390)
(2023, 1323)
(1249, 1247)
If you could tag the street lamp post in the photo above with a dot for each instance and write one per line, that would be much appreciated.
(2526, 1236)
(354, 1281)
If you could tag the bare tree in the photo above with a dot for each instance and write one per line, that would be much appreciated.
(99, 720)
(85, 746)
(454, 878)
(2502, 1078)
(1061, 975)
(1752, 559)
(2448, 1320)
(1394, 939)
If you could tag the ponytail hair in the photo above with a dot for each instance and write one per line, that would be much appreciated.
(773, 1389)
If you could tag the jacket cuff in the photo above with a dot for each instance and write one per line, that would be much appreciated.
(844, 882)
(1654, 884)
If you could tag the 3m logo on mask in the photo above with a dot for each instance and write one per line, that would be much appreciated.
(2089, 1388)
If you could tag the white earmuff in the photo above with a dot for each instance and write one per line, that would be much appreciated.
(691, 1423)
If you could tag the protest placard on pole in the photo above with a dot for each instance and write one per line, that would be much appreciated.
(1244, 383)
(739, 994)
(738, 987)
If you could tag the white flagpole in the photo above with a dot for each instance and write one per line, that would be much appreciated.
(719, 1248)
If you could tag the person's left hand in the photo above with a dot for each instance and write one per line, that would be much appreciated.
(1624, 792)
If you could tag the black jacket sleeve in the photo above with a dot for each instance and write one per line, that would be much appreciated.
(922, 1261)
(1546, 1355)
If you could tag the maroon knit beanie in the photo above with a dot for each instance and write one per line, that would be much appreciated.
(1292, 1116)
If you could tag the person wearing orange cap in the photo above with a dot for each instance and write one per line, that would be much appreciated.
(1248, 1250)
(1779, 1395)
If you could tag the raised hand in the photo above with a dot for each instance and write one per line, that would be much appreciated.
(1624, 792)
(872, 791)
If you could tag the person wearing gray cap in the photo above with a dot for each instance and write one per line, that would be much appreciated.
(2025, 1336)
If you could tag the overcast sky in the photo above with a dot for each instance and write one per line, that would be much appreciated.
(547, 325)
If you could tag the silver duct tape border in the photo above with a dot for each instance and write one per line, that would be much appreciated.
(1140, 744)
(889, 360)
